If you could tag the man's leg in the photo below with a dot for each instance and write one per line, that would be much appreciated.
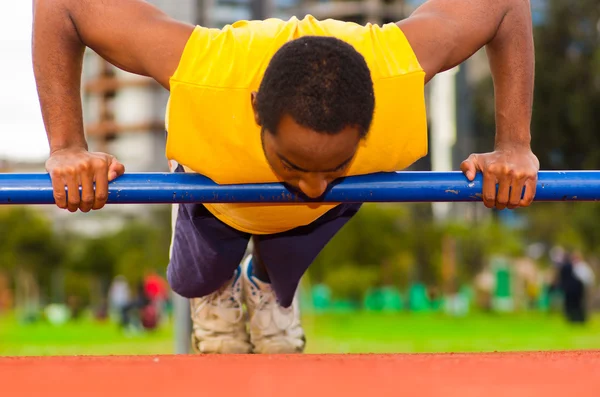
(272, 275)
(205, 257)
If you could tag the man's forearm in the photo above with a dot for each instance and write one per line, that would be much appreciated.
(57, 63)
(511, 57)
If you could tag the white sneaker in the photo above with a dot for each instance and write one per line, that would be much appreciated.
(273, 329)
(218, 320)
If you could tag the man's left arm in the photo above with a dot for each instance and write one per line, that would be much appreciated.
(443, 34)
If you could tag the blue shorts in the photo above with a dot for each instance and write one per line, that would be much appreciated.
(205, 251)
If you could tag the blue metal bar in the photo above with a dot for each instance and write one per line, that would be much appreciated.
(155, 188)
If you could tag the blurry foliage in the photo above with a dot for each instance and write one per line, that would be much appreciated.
(383, 245)
(375, 236)
(374, 248)
(28, 244)
(571, 225)
(567, 89)
(567, 100)
(397, 245)
(348, 281)
(79, 285)
(79, 265)
(129, 252)
(28, 240)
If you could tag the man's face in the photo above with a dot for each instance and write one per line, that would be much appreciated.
(308, 160)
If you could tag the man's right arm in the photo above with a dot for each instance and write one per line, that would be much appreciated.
(131, 34)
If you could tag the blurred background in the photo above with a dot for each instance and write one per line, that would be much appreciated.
(444, 277)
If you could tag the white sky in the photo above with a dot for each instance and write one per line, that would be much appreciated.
(22, 134)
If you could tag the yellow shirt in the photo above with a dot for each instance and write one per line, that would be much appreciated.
(210, 122)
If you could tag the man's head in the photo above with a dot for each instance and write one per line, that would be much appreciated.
(315, 104)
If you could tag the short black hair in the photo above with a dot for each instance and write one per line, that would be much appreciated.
(322, 82)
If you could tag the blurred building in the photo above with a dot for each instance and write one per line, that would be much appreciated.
(361, 11)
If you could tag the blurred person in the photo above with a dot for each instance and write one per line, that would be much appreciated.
(156, 287)
(585, 274)
(572, 289)
(582, 270)
(527, 288)
(557, 256)
(119, 296)
(303, 102)
(533, 291)
(101, 311)
(133, 315)
(157, 291)
(485, 283)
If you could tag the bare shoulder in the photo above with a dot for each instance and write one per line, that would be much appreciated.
(429, 39)
(444, 33)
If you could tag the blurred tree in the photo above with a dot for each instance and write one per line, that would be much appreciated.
(28, 242)
(132, 251)
(567, 88)
(377, 238)
(31, 253)
(393, 245)
(566, 116)
(139, 248)
(73, 265)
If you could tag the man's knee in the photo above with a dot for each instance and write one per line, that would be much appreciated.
(193, 286)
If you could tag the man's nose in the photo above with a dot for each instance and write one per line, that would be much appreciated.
(313, 186)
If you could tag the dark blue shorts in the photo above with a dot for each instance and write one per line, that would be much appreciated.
(205, 251)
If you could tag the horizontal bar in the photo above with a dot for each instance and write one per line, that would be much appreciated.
(156, 188)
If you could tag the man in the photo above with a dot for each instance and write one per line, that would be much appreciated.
(576, 281)
(303, 102)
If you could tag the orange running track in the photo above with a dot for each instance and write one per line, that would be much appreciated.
(553, 374)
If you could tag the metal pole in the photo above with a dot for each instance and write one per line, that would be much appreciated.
(160, 188)
(182, 322)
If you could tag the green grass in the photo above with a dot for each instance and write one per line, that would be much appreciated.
(332, 333)
(85, 337)
(420, 333)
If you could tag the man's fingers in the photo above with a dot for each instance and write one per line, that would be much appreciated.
(516, 191)
(511, 170)
(489, 189)
(115, 168)
(87, 192)
(469, 167)
(101, 195)
(73, 195)
(112, 170)
(72, 169)
(503, 193)
(530, 186)
(59, 190)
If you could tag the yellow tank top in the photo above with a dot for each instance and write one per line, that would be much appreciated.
(211, 127)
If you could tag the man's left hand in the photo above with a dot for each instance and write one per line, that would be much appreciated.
(512, 168)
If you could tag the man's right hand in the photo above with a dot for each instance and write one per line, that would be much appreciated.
(74, 167)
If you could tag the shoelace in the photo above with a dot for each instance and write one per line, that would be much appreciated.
(223, 295)
(266, 300)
